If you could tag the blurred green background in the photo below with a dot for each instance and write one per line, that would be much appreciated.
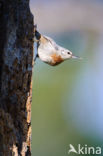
(67, 105)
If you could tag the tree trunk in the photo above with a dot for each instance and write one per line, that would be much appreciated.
(16, 61)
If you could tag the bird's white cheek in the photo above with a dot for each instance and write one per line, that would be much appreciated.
(70, 56)
(66, 57)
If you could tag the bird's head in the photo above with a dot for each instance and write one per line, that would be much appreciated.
(66, 54)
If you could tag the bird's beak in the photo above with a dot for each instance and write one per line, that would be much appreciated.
(76, 57)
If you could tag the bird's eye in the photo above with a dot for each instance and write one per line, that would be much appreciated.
(68, 52)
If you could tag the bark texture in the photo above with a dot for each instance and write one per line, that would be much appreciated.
(16, 55)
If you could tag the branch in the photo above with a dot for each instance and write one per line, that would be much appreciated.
(16, 61)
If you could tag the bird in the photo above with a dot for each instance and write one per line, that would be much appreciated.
(50, 52)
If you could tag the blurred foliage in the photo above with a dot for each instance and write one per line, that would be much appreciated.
(67, 105)
(53, 129)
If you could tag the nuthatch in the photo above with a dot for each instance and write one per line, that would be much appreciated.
(49, 52)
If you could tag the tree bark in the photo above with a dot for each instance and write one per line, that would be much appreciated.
(16, 61)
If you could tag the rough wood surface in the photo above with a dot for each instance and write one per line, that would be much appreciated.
(16, 61)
